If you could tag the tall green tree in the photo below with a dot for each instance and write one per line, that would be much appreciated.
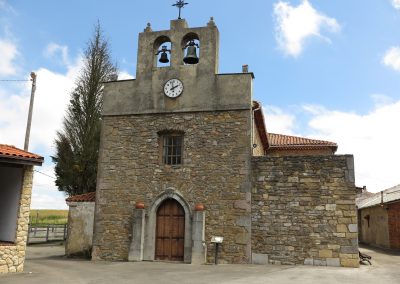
(77, 143)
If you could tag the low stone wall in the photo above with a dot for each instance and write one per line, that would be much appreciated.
(303, 210)
(12, 257)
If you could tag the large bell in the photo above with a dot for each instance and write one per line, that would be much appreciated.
(191, 55)
(164, 58)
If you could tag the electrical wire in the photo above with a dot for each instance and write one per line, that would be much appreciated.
(45, 174)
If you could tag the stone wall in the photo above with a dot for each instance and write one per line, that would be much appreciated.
(215, 173)
(12, 257)
(303, 210)
(80, 228)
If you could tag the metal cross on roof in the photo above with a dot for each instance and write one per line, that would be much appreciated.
(180, 4)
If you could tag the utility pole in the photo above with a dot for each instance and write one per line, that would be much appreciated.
(28, 124)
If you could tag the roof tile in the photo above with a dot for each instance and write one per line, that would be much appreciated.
(11, 151)
(279, 140)
(86, 197)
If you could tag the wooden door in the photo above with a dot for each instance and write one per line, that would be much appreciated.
(170, 231)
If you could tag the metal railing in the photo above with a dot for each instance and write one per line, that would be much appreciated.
(46, 233)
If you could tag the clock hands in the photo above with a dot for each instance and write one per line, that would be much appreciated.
(173, 88)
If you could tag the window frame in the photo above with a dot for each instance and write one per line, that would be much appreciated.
(171, 148)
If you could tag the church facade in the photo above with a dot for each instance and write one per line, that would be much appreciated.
(185, 156)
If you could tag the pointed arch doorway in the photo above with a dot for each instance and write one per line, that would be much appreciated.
(170, 231)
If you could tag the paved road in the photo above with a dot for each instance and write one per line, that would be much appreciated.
(46, 264)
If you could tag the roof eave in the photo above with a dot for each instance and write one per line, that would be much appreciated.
(21, 160)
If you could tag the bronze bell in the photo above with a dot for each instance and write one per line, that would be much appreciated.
(164, 58)
(191, 54)
(164, 55)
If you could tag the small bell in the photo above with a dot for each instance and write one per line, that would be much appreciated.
(164, 58)
(164, 55)
(191, 53)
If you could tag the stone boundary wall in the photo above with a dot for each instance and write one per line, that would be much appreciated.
(12, 257)
(303, 210)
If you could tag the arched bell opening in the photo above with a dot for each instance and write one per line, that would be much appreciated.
(191, 49)
(162, 51)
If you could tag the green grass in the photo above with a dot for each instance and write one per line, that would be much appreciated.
(48, 217)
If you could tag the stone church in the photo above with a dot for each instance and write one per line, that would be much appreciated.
(185, 156)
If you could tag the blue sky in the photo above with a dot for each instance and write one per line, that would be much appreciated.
(324, 69)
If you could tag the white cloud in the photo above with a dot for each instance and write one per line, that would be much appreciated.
(9, 53)
(392, 58)
(45, 194)
(51, 99)
(371, 138)
(124, 75)
(296, 24)
(54, 49)
(396, 4)
(277, 121)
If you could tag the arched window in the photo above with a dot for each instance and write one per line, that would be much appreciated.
(191, 49)
(162, 52)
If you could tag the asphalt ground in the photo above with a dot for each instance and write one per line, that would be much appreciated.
(47, 264)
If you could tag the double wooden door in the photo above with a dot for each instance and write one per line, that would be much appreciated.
(170, 231)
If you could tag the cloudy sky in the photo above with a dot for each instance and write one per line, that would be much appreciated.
(324, 69)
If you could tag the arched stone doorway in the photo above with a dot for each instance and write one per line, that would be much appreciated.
(170, 231)
(150, 228)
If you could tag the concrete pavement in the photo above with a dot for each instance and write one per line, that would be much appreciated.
(46, 264)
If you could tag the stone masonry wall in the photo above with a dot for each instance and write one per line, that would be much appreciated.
(303, 210)
(215, 172)
(12, 257)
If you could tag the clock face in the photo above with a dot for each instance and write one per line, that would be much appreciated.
(173, 88)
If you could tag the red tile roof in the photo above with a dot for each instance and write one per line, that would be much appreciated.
(87, 197)
(12, 152)
(295, 142)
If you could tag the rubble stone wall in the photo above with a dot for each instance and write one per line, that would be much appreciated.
(303, 210)
(215, 172)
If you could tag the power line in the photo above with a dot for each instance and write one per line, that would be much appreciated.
(44, 174)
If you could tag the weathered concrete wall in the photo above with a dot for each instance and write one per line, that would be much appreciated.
(80, 228)
(215, 172)
(376, 233)
(303, 210)
(12, 257)
(394, 224)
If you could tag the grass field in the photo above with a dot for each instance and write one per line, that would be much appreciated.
(48, 217)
